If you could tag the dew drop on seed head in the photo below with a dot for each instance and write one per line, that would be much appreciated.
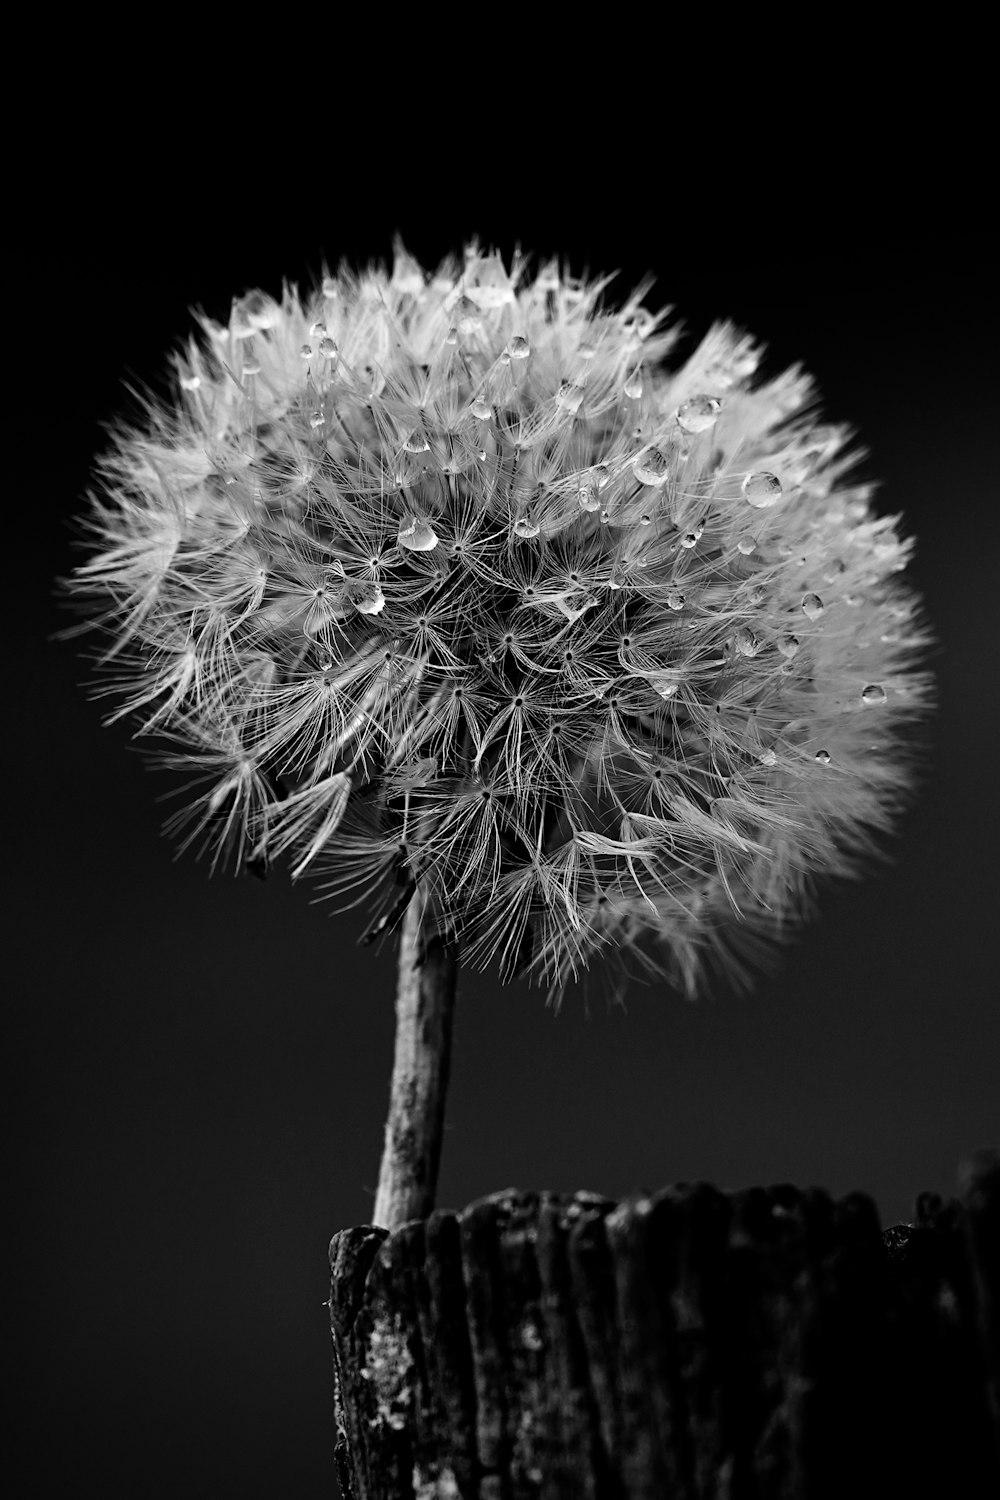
(305, 350)
(788, 645)
(665, 685)
(823, 756)
(633, 387)
(416, 443)
(330, 289)
(368, 598)
(699, 414)
(746, 543)
(518, 347)
(328, 348)
(251, 365)
(689, 539)
(481, 409)
(675, 599)
(874, 693)
(768, 758)
(761, 489)
(812, 605)
(745, 642)
(585, 351)
(651, 467)
(417, 535)
(569, 396)
(317, 418)
(588, 498)
(526, 528)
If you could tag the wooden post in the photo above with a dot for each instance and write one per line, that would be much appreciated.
(691, 1344)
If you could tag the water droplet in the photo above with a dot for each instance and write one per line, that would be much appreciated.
(451, 337)
(251, 364)
(768, 758)
(481, 409)
(518, 347)
(569, 396)
(317, 329)
(757, 595)
(789, 645)
(823, 756)
(689, 539)
(588, 498)
(746, 543)
(651, 467)
(586, 351)
(745, 642)
(469, 318)
(328, 348)
(416, 443)
(666, 685)
(761, 489)
(699, 414)
(633, 387)
(645, 519)
(190, 382)
(368, 598)
(526, 528)
(675, 599)
(417, 535)
(317, 418)
(305, 350)
(812, 604)
(330, 288)
(873, 693)
(575, 605)
(260, 311)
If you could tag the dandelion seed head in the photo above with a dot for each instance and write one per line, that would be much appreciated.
(454, 579)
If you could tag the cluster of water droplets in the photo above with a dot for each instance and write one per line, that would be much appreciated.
(452, 580)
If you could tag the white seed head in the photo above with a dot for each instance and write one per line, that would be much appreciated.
(453, 580)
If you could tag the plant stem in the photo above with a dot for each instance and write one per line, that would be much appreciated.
(425, 1007)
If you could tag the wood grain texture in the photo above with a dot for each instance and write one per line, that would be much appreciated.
(690, 1343)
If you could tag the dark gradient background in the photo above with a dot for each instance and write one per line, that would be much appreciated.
(200, 1066)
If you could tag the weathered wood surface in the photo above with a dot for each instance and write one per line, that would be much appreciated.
(691, 1344)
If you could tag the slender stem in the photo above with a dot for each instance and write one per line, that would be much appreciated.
(425, 1007)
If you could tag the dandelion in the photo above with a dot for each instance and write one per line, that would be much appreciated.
(456, 594)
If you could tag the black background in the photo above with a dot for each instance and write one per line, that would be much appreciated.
(200, 1067)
